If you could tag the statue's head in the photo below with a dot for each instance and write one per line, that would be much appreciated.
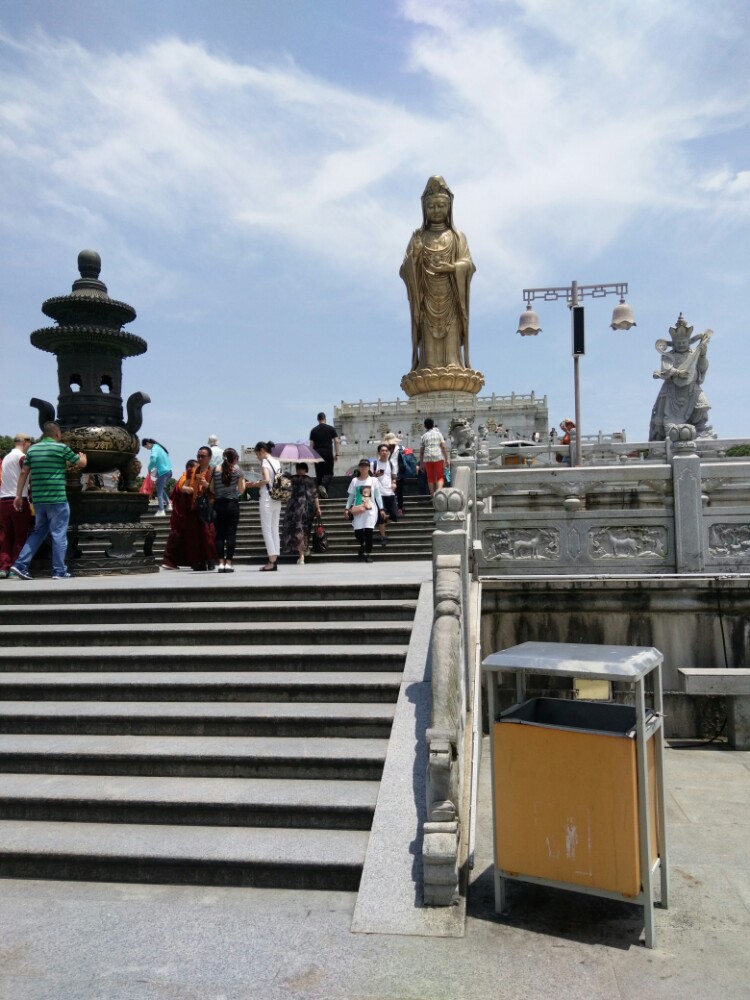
(437, 202)
(680, 334)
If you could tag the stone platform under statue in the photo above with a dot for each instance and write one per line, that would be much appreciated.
(363, 423)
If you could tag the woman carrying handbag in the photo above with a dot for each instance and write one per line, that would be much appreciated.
(270, 509)
(302, 510)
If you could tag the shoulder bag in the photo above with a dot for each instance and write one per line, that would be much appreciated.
(319, 538)
(205, 508)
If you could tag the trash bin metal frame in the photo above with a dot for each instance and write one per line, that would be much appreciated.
(628, 664)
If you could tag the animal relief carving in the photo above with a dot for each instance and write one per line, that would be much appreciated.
(521, 544)
(628, 543)
(729, 539)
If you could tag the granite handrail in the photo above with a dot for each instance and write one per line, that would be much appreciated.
(445, 824)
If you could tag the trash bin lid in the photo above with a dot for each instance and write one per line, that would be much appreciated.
(576, 659)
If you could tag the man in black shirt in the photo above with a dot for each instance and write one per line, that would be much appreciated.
(325, 440)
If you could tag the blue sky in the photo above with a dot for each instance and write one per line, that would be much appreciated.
(250, 174)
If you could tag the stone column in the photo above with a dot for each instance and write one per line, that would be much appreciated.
(452, 537)
(688, 502)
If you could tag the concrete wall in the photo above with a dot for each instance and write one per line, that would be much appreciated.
(694, 621)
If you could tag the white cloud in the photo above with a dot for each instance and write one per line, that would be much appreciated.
(250, 209)
(733, 185)
(546, 114)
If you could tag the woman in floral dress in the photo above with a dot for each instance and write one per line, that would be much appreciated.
(301, 508)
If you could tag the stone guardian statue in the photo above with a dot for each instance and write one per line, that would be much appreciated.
(437, 271)
(681, 400)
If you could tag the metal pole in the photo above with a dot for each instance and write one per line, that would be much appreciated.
(577, 461)
(644, 812)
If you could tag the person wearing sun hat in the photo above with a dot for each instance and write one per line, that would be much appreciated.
(396, 451)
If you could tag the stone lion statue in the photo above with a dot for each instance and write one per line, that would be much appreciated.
(463, 438)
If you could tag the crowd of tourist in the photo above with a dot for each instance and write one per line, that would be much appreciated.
(204, 502)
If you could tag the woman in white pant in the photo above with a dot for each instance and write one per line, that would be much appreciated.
(270, 510)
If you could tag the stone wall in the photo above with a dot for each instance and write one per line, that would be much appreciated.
(695, 621)
(365, 422)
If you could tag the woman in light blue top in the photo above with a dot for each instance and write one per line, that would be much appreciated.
(161, 465)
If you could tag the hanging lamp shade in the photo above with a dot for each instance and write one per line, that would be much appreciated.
(528, 324)
(622, 316)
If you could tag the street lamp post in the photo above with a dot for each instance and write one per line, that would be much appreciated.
(622, 319)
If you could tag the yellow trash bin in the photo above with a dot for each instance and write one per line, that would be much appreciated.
(578, 786)
(566, 793)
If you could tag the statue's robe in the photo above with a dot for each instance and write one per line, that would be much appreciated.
(439, 302)
(681, 399)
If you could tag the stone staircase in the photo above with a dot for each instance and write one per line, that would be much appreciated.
(408, 539)
(222, 735)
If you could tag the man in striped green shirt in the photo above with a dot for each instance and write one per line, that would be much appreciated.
(46, 463)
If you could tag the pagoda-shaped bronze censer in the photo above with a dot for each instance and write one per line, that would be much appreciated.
(106, 535)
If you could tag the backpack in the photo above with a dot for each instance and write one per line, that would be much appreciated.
(281, 486)
(407, 463)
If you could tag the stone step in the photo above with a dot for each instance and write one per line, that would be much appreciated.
(194, 686)
(365, 719)
(198, 855)
(330, 509)
(257, 557)
(408, 539)
(348, 554)
(293, 588)
(207, 634)
(210, 733)
(415, 531)
(210, 611)
(256, 802)
(333, 518)
(194, 756)
(250, 534)
(418, 529)
(348, 658)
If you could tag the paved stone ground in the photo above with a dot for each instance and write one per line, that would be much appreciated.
(85, 941)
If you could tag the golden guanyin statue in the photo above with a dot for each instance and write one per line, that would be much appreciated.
(437, 271)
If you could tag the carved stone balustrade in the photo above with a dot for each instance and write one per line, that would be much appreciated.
(689, 515)
(445, 739)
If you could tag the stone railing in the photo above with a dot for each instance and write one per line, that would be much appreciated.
(603, 450)
(451, 678)
(455, 530)
(687, 514)
(361, 406)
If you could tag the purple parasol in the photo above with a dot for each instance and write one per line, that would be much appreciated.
(294, 452)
